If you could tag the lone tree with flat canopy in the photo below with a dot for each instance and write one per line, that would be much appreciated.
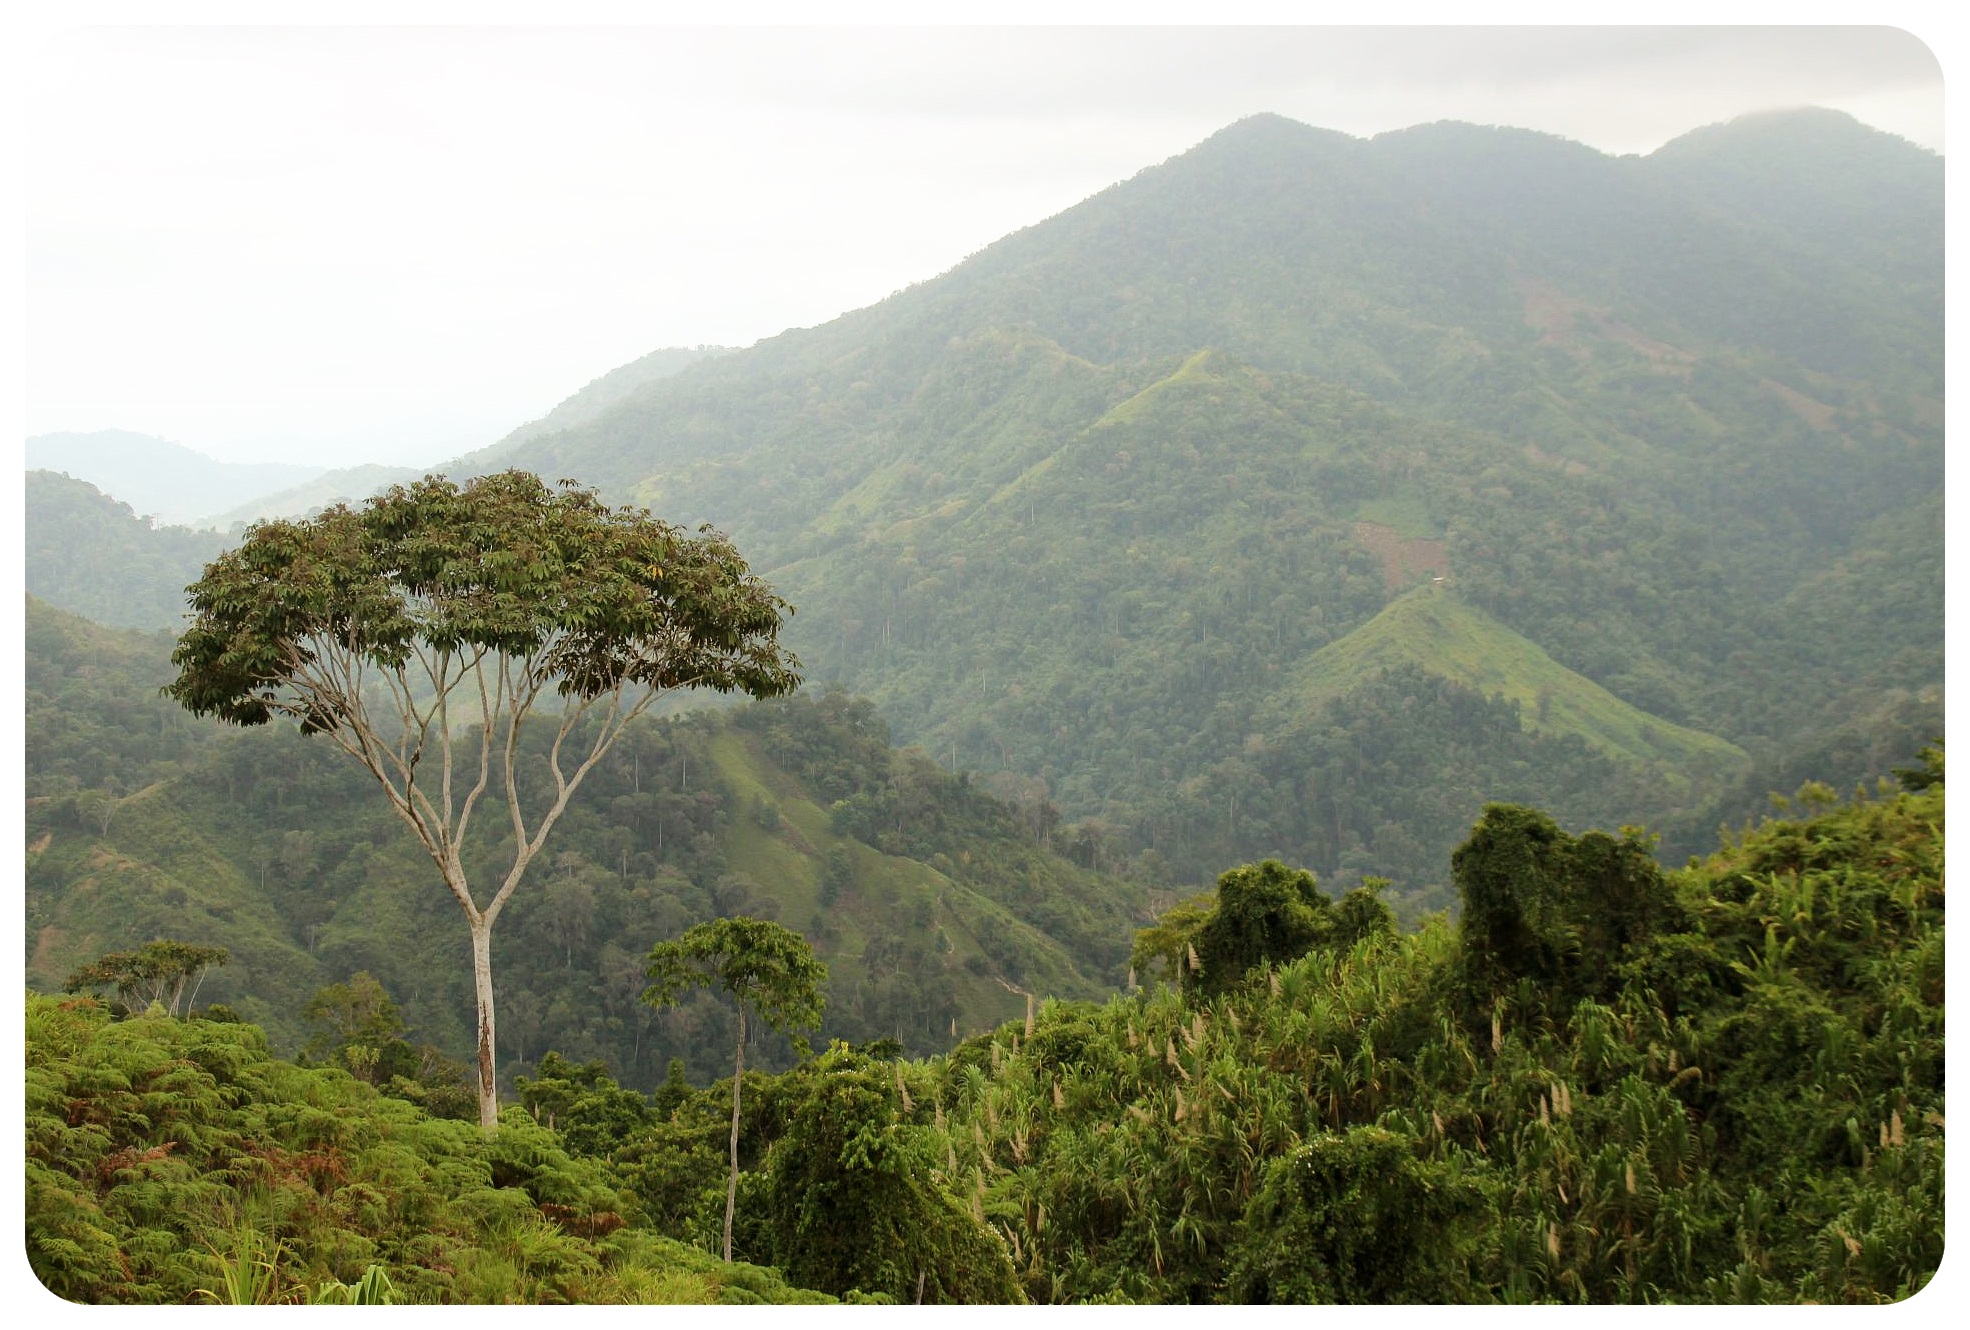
(422, 631)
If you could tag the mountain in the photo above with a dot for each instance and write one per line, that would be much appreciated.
(593, 401)
(160, 479)
(347, 484)
(934, 904)
(91, 555)
(1075, 513)
(1074, 510)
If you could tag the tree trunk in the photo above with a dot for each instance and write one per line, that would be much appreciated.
(732, 1182)
(482, 986)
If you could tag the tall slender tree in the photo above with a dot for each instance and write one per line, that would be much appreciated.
(766, 969)
(422, 631)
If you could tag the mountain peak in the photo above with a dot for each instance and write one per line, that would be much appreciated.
(1818, 130)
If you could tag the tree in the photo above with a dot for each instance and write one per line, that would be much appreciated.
(1541, 905)
(150, 973)
(1267, 914)
(763, 967)
(358, 1026)
(1262, 914)
(854, 1200)
(422, 631)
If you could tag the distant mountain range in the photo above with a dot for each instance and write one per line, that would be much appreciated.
(160, 479)
(176, 486)
(1124, 507)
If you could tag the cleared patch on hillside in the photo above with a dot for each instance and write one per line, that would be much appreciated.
(1809, 409)
(1562, 320)
(1403, 561)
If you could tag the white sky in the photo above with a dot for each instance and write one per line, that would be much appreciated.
(393, 244)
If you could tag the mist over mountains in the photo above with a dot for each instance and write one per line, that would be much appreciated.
(1132, 510)
(160, 479)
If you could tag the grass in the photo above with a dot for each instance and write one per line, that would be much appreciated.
(789, 864)
(1403, 513)
(1435, 630)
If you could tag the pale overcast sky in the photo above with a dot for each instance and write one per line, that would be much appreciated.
(394, 244)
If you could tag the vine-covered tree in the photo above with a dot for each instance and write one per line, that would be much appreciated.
(1262, 914)
(422, 631)
(766, 969)
(1560, 911)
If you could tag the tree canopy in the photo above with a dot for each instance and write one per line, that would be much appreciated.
(423, 629)
(768, 970)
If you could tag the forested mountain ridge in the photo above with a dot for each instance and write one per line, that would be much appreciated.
(93, 555)
(1073, 509)
(1076, 507)
(935, 904)
(1074, 512)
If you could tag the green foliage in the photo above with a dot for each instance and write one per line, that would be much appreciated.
(587, 597)
(176, 1161)
(1266, 913)
(855, 1198)
(1733, 1093)
(1356, 1216)
(768, 970)
(1543, 907)
(150, 974)
(1261, 916)
(592, 1114)
(374, 1289)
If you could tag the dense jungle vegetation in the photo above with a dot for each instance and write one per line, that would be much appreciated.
(1224, 604)
(1080, 514)
(1606, 1083)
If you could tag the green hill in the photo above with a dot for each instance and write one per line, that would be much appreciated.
(1432, 629)
(936, 905)
(1072, 511)
(1075, 512)
(92, 555)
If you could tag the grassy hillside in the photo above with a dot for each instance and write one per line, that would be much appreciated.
(1433, 629)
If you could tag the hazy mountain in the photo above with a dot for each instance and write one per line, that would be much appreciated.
(920, 891)
(91, 555)
(594, 400)
(1080, 511)
(348, 484)
(1076, 508)
(158, 478)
